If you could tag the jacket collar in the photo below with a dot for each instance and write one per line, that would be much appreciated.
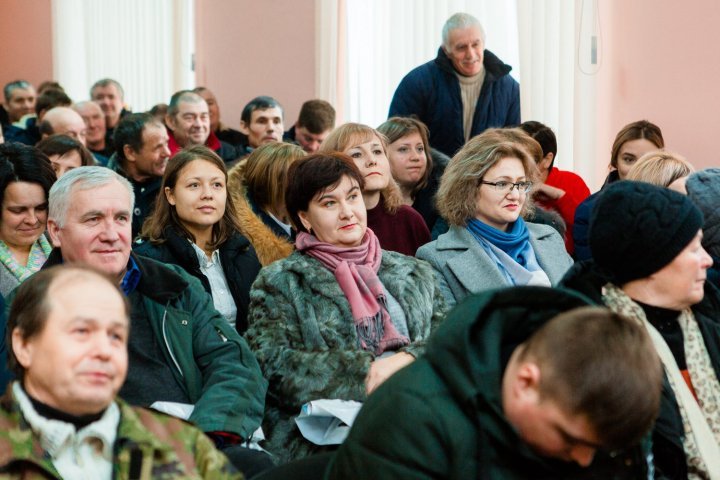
(469, 351)
(157, 281)
(494, 67)
(25, 445)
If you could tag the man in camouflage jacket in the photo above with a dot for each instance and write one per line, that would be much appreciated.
(68, 332)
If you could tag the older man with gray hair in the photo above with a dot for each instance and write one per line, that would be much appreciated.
(188, 122)
(184, 357)
(461, 93)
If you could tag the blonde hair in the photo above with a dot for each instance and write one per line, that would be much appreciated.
(660, 168)
(456, 196)
(351, 134)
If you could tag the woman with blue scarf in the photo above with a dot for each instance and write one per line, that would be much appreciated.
(483, 195)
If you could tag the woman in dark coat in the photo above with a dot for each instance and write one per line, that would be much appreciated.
(194, 226)
(632, 142)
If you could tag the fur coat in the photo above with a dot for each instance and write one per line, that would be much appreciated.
(302, 332)
(268, 246)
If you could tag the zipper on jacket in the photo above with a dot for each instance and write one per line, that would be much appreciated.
(167, 344)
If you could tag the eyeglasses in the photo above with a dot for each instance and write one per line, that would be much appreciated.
(506, 187)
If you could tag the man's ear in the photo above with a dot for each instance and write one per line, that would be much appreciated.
(21, 348)
(129, 153)
(54, 231)
(244, 127)
(526, 381)
(170, 122)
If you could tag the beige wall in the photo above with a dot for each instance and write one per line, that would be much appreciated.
(25, 41)
(661, 63)
(246, 48)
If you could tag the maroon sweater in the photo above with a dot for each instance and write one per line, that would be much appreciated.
(403, 232)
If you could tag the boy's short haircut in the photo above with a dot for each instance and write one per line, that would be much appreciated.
(543, 135)
(317, 116)
(603, 366)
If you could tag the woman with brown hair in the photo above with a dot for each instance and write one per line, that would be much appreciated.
(257, 185)
(340, 315)
(397, 226)
(65, 153)
(413, 166)
(483, 196)
(194, 225)
(632, 142)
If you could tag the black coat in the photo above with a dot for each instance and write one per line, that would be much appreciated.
(238, 259)
(667, 438)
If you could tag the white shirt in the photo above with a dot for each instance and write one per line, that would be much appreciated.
(213, 271)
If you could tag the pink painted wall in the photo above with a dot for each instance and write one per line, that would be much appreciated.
(246, 48)
(25, 41)
(661, 63)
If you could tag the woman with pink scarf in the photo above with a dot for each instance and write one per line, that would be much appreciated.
(340, 315)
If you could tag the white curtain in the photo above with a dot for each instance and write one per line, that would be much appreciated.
(560, 52)
(145, 45)
(386, 39)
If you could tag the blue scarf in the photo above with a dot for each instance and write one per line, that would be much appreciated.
(515, 242)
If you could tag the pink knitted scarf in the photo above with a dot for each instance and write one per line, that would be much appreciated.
(355, 270)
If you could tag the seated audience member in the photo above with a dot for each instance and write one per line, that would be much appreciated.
(109, 94)
(521, 139)
(398, 227)
(141, 155)
(159, 111)
(663, 169)
(20, 99)
(49, 85)
(194, 225)
(182, 351)
(69, 329)
(221, 131)
(94, 119)
(25, 180)
(632, 142)
(27, 130)
(557, 190)
(340, 315)
(314, 124)
(262, 122)
(63, 121)
(703, 188)
(412, 165)
(509, 388)
(65, 153)
(188, 122)
(483, 196)
(649, 265)
(261, 180)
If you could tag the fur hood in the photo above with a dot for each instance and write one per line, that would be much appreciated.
(268, 246)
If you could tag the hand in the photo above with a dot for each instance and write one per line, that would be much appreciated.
(383, 368)
(546, 191)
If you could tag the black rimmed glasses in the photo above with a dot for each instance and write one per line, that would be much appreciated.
(506, 187)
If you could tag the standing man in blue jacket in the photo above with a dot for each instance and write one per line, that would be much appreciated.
(464, 91)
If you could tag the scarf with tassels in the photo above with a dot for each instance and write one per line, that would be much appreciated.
(701, 417)
(355, 269)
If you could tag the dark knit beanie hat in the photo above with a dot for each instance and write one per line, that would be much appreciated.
(637, 228)
(703, 188)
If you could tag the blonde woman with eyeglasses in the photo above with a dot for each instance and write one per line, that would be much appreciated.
(483, 195)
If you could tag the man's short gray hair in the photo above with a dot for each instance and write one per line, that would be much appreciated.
(104, 82)
(460, 20)
(12, 86)
(81, 178)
